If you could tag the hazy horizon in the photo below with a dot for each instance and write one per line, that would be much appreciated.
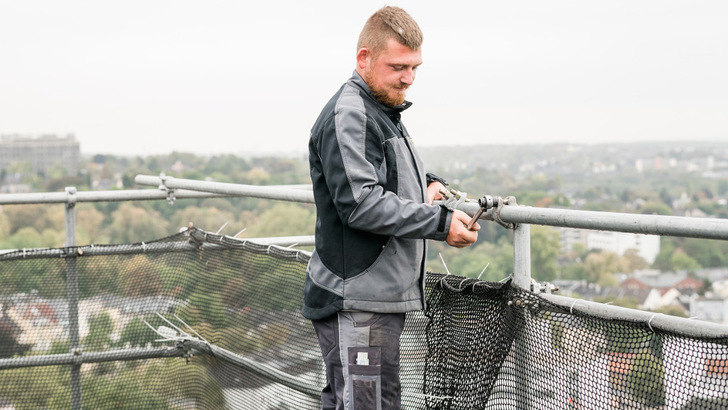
(138, 78)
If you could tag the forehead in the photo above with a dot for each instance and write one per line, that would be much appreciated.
(395, 52)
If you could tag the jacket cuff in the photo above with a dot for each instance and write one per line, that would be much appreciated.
(434, 178)
(443, 226)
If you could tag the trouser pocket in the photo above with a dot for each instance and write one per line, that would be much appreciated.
(365, 366)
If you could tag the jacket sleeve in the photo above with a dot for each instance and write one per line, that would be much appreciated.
(348, 151)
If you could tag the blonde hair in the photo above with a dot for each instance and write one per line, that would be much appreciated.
(389, 22)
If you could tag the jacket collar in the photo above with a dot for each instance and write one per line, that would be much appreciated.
(359, 82)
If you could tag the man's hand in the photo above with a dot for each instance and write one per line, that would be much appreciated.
(433, 191)
(459, 236)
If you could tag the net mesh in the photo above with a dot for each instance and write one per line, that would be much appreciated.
(228, 312)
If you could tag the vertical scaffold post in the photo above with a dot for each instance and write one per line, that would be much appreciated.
(74, 341)
(522, 279)
(522, 256)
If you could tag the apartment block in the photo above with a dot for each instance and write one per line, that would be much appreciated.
(42, 152)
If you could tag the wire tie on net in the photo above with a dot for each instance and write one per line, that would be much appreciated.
(223, 225)
(571, 309)
(268, 250)
(483, 271)
(443, 263)
(144, 247)
(460, 286)
(649, 322)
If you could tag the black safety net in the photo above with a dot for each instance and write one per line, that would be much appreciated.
(203, 321)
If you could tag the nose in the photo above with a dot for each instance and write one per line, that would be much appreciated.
(408, 76)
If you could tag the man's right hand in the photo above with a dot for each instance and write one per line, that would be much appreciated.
(459, 236)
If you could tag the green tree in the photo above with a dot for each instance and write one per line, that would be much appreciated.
(90, 227)
(124, 391)
(5, 224)
(470, 262)
(662, 261)
(132, 224)
(207, 218)
(632, 261)
(33, 386)
(99, 332)
(27, 237)
(601, 268)
(545, 248)
(283, 219)
(206, 307)
(139, 277)
(655, 208)
(682, 261)
(39, 217)
(706, 252)
(136, 334)
(647, 376)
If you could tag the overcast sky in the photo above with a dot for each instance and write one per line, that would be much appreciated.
(148, 77)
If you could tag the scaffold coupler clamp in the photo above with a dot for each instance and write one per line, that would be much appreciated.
(493, 204)
(509, 200)
(163, 187)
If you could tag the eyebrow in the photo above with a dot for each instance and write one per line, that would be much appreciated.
(394, 65)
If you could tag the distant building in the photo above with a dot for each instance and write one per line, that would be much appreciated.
(647, 246)
(709, 308)
(42, 152)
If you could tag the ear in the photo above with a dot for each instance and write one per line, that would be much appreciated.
(363, 59)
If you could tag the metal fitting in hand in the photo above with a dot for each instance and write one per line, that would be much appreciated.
(486, 202)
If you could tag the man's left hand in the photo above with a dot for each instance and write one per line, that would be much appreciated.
(433, 191)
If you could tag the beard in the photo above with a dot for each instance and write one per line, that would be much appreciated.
(382, 95)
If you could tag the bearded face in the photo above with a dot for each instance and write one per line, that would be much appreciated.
(387, 94)
(390, 72)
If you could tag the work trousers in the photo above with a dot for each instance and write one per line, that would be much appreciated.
(361, 355)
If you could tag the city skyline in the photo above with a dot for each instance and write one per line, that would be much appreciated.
(147, 78)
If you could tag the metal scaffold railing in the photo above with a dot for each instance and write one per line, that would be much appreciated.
(505, 212)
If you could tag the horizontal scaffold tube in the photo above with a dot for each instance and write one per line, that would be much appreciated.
(709, 228)
(148, 248)
(99, 196)
(678, 325)
(269, 192)
(182, 349)
(260, 369)
(90, 357)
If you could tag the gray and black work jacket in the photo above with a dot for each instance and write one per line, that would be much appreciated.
(372, 216)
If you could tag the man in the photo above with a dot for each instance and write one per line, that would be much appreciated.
(374, 215)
